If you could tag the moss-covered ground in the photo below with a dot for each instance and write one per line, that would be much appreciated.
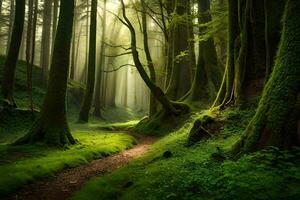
(194, 173)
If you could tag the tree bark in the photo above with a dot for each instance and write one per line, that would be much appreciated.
(12, 57)
(51, 126)
(277, 118)
(88, 97)
(30, 49)
(182, 59)
(11, 23)
(54, 22)
(208, 72)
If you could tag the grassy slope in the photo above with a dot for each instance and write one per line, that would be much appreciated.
(22, 165)
(191, 173)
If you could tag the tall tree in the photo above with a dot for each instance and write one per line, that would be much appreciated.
(153, 103)
(73, 50)
(88, 97)
(11, 23)
(46, 39)
(276, 122)
(182, 53)
(12, 56)
(208, 72)
(29, 49)
(51, 126)
(54, 23)
(101, 65)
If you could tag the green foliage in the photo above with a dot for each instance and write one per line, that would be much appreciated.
(191, 173)
(214, 29)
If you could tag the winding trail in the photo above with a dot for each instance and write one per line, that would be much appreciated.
(63, 185)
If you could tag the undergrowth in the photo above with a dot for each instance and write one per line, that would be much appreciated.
(192, 173)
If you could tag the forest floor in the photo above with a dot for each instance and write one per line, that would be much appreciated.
(66, 183)
(193, 172)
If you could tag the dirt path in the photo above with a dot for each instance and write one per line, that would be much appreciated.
(66, 183)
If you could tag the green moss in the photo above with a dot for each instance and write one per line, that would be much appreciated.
(24, 164)
(121, 126)
(163, 122)
(276, 119)
(191, 173)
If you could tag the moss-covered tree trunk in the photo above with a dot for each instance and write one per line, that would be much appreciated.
(183, 61)
(276, 122)
(88, 97)
(12, 56)
(51, 126)
(208, 72)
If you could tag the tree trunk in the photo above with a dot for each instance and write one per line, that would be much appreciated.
(46, 33)
(9, 67)
(276, 122)
(85, 75)
(29, 41)
(153, 103)
(272, 31)
(11, 23)
(51, 126)
(73, 50)
(208, 72)
(88, 97)
(29, 70)
(225, 92)
(182, 59)
(101, 66)
(54, 23)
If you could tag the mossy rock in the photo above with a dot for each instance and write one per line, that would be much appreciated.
(203, 128)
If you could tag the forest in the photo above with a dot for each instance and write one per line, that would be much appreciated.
(149, 99)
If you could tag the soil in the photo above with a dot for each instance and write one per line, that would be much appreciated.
(63, 185)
